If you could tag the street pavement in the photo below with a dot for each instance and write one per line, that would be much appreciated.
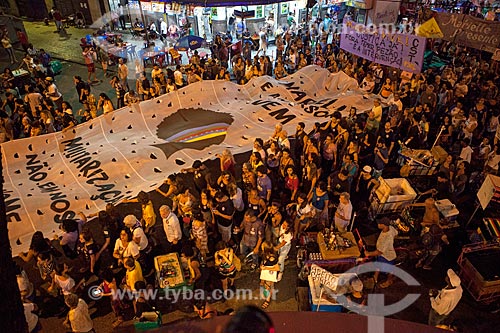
(471, 317)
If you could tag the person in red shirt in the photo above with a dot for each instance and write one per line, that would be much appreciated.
(23, 39)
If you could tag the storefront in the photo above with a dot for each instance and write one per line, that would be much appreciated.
(358, 10)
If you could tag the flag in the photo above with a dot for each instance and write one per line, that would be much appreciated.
(429, 29)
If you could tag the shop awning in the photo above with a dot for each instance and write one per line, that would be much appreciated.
(227, 3)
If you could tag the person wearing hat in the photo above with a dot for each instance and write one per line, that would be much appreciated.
(365, 184)
(356, 298)
(443, 302)
(384, 252)
(53, 93)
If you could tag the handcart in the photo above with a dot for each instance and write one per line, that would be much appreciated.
(336, 256)
(420, 162)
(170, 273)
(479, 271)
(323, 298)
(391, 196)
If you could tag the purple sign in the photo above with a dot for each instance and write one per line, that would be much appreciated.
(403, 51)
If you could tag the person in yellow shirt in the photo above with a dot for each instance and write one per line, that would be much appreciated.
(148, 213)
(133, 274)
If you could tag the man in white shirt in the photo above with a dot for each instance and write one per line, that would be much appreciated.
(171, 227)
(443, 302)
(466, 152)
(397, 102)
(163, 28)
(384, 252)
(53, 93)
(343, 213)
(34, 100)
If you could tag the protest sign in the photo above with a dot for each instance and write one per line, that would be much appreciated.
(403, 51)
(470, 31)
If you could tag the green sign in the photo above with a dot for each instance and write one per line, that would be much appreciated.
(214, 11)
(259, 12)
(284, 9)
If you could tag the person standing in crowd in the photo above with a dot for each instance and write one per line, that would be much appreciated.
(7, 45)
(89, 56)
(443, 302)
(123, 73)
(105, 104)
(381, 158)
(343, 214)
(253, 235)
(53, 93)
(284, 245)
(223, 213)
(172, 229)
(385, 252)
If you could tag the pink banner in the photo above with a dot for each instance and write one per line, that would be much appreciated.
(403, 51)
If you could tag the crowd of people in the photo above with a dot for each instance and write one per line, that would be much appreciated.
(218, 218)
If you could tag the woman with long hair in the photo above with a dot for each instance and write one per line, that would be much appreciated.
(105, 103)
(301, 212)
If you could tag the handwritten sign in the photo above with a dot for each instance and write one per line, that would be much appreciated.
(385, 12)
(403, 51)
(470, 31)
(324, 277)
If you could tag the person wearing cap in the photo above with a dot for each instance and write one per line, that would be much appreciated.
(443, 302)
(356, 298)
(384, 252)
(365, 184)
(53, 93)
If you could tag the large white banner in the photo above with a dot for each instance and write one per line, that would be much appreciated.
(55, 176)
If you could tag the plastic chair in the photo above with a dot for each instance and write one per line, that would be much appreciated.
(131, 51)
